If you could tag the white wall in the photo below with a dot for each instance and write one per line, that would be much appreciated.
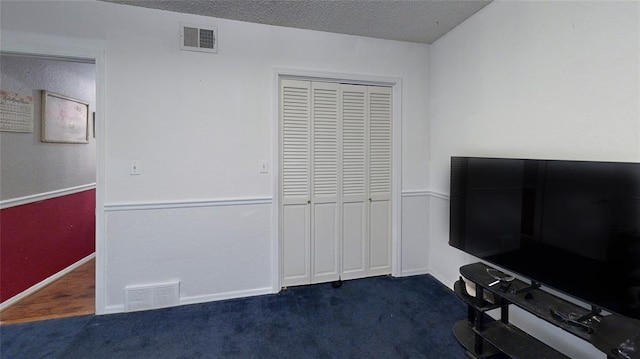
(556, 80)
(29, 166)
(415, 233)
(199, 124)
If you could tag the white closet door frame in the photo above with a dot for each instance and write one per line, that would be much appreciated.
(388, 81)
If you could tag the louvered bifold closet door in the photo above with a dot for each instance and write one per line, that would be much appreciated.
(324, 182)
(354, 172)
(295, 139)
(380, 113)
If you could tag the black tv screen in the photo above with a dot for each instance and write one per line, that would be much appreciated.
(571, 225)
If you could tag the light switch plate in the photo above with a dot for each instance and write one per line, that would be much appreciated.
(134, 168)
(264, 166)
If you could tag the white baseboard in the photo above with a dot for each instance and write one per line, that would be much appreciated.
(417, 271)
(34, 288)
(113, 309)
(199, 299)
(224, 296)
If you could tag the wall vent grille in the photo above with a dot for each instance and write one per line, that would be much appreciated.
(195, 38)
(151, 296)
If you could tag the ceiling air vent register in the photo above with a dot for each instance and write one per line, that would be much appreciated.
(195, 38)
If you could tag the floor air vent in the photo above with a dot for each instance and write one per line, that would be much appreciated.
(194, 38)
(152, 296)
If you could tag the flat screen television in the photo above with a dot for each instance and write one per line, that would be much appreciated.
(573, 226)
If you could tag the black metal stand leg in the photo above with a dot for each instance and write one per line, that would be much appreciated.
(479, 320)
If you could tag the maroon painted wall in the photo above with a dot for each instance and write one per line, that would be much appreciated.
(37, 240)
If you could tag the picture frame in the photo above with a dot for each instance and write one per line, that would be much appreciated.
(16, 112)
(64, 119)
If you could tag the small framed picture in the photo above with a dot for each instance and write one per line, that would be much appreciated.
(64, 119)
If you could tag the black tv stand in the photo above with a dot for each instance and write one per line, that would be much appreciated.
(530, 287)
(483, 337)
(569, 319)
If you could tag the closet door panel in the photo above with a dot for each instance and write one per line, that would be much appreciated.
(354, 245)
(379, 102)
(379, 238)
(325, 246)
(324, 181)
(295, 117)
(354, 182)
(295, 245)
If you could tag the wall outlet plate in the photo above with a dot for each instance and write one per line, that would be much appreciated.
(134, 168)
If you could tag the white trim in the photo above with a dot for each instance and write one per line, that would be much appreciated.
(396, 179)
(415, 193)
(337, 77)
(396, 173)
(77, 48)
(36, 287)
(276, 267)
(198, 299)
(8, 203)
(416, 271)
(439, 195)
(224, 296)
(113, 309)
(142, 206)
(425, 193)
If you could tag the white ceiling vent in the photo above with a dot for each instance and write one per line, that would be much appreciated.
(195, 38)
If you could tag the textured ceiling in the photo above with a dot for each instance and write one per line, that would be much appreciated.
(421, 21)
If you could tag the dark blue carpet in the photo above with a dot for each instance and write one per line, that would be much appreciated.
(380, 317)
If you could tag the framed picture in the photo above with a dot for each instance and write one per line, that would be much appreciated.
(16, 112)
(64, 119)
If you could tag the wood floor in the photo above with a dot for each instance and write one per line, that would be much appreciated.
(71, 295)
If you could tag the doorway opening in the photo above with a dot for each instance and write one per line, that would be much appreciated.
(48, 197)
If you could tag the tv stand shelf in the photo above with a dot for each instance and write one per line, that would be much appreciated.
(483, 337)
